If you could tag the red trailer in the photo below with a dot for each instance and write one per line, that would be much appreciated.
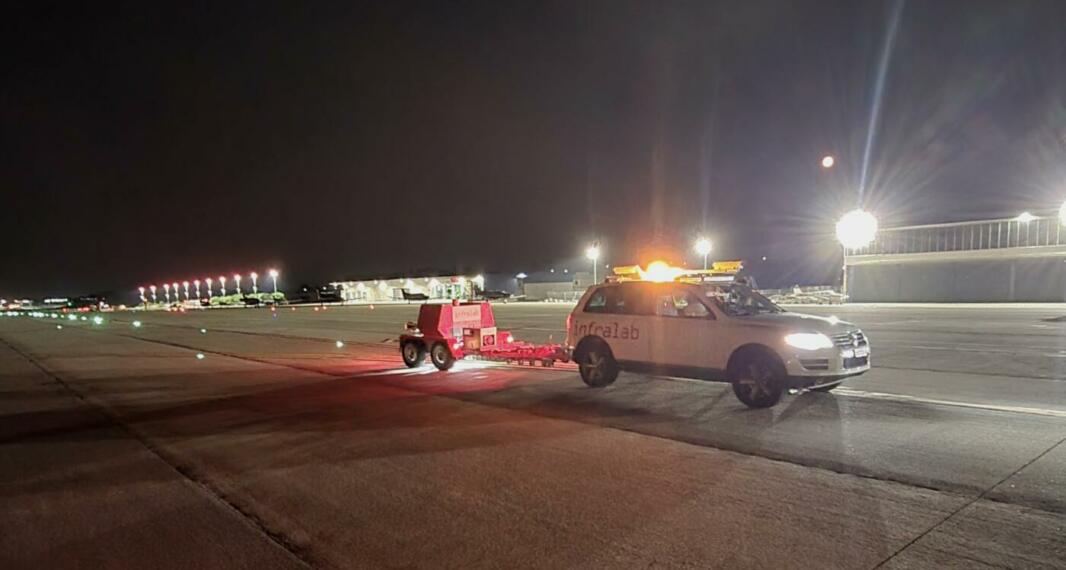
(449, 332)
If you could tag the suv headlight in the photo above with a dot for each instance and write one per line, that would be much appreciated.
(808, 341)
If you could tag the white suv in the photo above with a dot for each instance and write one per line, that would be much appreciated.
(713, 331)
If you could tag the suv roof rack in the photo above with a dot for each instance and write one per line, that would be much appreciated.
(720, 272)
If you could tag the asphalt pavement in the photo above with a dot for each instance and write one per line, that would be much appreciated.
(234, 438)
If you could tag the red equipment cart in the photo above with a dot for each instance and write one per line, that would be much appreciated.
(449, 332)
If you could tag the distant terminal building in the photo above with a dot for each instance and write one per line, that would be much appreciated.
(1005, 260)
(549, 285)
(555, 285)
(438, 288)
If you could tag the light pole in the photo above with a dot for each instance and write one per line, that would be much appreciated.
(209, 281)
(855, 230)
(143, 299)
(274, 277)
(1062, 221)
(185, 285)
(152, 289)
(237, 282)
(593, 254)
(196, 283)
(222, 285)
(703, 247)
(166, 292)
(255, 283)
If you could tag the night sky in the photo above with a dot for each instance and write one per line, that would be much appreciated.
(145, 142)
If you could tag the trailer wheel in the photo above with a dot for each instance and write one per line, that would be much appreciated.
(414, 353)
(442, 357)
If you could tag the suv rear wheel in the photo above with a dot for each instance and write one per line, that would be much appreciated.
(596, 363)
(758, 379)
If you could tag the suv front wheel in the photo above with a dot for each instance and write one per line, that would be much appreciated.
(596, 363)
(758, 379)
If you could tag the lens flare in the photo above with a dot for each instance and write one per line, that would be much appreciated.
(856, 229)
(659, 272)
(703, 246)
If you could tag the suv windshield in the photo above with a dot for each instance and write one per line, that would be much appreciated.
(738, 300)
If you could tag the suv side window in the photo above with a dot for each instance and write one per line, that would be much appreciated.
(619, 300)
(597, 303)
(634, 299)
(606, 300)
(676, 302)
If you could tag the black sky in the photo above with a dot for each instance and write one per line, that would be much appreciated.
(144, 142)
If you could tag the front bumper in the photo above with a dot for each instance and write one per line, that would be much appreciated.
(828, 364)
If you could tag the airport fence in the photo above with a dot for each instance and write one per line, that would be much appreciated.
(1022, 231)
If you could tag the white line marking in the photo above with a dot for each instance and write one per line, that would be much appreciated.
(952, 348)
(390, 372)
(916, 399)
(1018, 350)
(693, 380)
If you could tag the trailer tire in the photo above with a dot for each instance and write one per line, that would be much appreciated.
(414, 353)
(442, 357)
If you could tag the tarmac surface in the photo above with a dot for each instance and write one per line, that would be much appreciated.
(237, 438)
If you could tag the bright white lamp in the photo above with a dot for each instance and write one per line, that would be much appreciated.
(856, 229)
(703, 247)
